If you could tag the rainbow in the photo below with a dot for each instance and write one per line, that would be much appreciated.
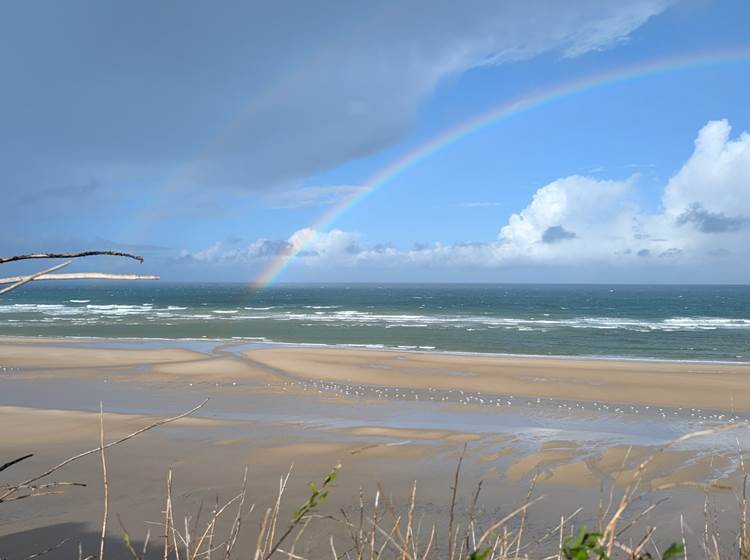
(422, 151)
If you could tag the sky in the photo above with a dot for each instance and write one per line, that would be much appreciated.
(253, 142)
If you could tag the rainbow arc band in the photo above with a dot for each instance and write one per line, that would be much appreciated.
(498, 113)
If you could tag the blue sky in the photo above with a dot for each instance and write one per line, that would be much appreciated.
(208, 141)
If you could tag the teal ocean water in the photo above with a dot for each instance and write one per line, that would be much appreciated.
(663, 322)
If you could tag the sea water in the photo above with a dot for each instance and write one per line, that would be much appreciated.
(657, 322)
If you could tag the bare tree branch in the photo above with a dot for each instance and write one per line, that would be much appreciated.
(15, 462)
(81, 276)
(69, 256)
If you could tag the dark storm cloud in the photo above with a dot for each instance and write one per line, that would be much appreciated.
(186, 94)
(555, 234)
(711, 222)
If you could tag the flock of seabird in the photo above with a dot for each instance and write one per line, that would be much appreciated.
(478, 398)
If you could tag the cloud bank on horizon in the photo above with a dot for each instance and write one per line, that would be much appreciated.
(570, 222)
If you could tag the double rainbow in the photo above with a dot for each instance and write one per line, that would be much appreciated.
(498, 113)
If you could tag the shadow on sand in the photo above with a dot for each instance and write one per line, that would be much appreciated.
(22, 545)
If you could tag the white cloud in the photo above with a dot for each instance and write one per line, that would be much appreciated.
(582, 221)
(705, 212)
(334, 244)
(717, 175)
(593, 212)
(235, 251)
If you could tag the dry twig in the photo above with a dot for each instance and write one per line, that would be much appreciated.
(104, 479)
(454, 490)
(14, 462)
(13, 489)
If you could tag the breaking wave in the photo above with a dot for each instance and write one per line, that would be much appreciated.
(25, 313)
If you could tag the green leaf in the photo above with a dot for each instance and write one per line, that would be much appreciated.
(584, 546)
(579, 538)
(317, 495)
(674, 550)
(480, 554)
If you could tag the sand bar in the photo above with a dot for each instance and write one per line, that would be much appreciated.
(653, 383)
(43, 355)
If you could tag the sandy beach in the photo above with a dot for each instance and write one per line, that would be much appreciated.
(653, 383)
(389, 418)
(717, 386)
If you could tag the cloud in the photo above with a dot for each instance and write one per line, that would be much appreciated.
(555, 234)
(328, 245)
(312, 245)
(577, 220)
(710, 192)
(254, 95)
(234, 251)
(598, 211)
(716, 175)
(711, 222)
(307, 197)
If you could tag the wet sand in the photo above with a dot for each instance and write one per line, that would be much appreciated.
(654, 383)
(315, 408)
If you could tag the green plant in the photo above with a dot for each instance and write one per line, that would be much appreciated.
(674, 550)
(587, 546)
(317, 495)
(583, 546)
(482, 554)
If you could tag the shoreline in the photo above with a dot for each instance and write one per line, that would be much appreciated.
(423, 350)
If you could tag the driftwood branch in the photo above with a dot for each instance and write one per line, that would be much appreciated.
(29, 278)
(81, 276)
(17, 281)
(14, 258)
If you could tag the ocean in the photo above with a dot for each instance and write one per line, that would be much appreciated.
(706, 323)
